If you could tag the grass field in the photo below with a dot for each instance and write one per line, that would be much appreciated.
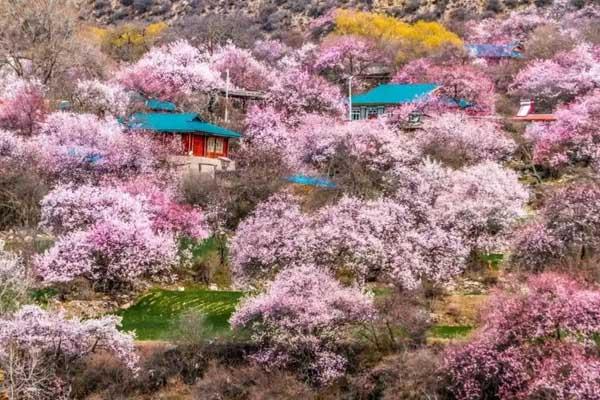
(449, 332)
(153, 315)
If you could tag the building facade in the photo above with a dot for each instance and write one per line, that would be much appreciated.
(205, 146)
(379, 100)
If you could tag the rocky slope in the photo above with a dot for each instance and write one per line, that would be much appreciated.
(273, 15)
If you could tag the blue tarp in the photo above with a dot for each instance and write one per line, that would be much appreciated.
(311, 181)
(90, 158)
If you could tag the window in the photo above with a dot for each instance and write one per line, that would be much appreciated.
(414, 117)
(215, 145)
(356, 114)
(372, 112)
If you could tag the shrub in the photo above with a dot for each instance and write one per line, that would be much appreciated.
(14, 282)
(410, 375)
(232, 196)
(249, 383)
(22, 191)
(546, 41)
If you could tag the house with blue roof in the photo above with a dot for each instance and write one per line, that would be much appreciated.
(203, 143)
(495, 51)
(378, 100)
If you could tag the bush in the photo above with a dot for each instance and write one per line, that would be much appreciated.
(546, 41)
(22, 191)
(403, 321)
(410, 375)
(250, 383)
(234, 195)
(14, 282)
(103, 375)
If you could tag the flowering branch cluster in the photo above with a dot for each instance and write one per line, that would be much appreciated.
(301, 320)
(535, 342)
(425, 232)
(112, 237)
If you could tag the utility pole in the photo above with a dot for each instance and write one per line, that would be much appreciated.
(350, 98)
(227, 97)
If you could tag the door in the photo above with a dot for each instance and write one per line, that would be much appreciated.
(198, 146)
(186, 140)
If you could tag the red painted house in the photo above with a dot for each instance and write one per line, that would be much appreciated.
(200, 139)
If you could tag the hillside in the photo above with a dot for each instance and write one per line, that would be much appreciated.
(276, 15)
(297, 199)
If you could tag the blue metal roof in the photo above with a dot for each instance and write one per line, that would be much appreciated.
(178, 123)
(394, 93)
(493, 51)
(159, 105)
(311, 181)
(460, 103)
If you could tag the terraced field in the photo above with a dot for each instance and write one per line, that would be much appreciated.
(154, 314)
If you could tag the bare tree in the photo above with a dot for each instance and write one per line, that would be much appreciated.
(37, 36)
(27, 376)
(213, 30)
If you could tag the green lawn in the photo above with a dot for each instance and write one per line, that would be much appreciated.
(153, 315)
(449, 332)
(204, 248)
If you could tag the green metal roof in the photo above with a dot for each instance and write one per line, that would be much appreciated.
(394, 93)
(159, 105)
(178, 123)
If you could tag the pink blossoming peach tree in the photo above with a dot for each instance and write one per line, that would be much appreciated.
(570, 141)
(462, 87)
(458, 140)
(535, 341)
(113, 236)
(301, 321)
(23, 106)
(424, 232)
(39, 350)
(564, 234)
(245, 71)
(84, 148)
(176, 69)
(561, 79)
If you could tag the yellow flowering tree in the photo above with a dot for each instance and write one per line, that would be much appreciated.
(128, 42)
(411, 40)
